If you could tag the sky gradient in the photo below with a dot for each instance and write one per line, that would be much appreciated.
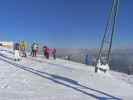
(64, 23)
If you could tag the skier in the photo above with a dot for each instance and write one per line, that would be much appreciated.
(34, 49)
(17, 51)
(54, 53)
(87, 59)
(37, 50)
(46, 52)
(31, 50)
(69, 57)
(23, 46)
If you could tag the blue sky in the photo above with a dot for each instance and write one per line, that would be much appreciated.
(64, 23)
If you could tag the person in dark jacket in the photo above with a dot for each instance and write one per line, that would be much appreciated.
(44, 51)
(54, 53)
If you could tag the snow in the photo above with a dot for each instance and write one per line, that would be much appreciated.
(41, 79)
(102, 68)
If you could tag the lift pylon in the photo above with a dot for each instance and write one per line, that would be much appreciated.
(103, 59)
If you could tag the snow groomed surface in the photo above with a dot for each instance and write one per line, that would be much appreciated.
(42, 79)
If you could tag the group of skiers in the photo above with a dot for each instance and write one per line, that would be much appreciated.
(20, 50)
(47, 51)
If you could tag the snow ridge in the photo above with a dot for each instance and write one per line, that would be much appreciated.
(41, 79)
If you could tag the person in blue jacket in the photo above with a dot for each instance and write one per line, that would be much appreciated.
(87, 59)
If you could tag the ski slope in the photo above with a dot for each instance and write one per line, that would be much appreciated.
(42, 79)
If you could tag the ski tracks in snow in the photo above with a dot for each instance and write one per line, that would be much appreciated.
(59, 79)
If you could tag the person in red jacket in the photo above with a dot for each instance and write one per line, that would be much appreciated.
(46, 52)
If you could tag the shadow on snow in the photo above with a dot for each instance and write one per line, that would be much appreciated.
(66, 81)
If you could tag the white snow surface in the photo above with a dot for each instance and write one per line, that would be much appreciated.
(41, 79)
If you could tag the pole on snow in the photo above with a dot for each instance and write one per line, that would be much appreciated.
(103, 59)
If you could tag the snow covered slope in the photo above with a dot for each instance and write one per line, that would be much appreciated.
(42, 79)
